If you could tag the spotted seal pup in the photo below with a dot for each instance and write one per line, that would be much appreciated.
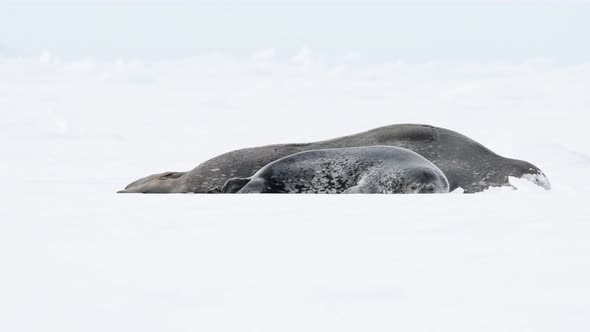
(465, 162)
(367, 170)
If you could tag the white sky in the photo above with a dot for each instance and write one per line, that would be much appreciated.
(347, 30)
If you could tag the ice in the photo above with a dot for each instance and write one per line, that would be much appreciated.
(75, 256)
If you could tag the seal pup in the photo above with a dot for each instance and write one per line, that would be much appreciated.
(465, 162)
(367, 170)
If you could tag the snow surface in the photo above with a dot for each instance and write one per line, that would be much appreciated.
(75, 256)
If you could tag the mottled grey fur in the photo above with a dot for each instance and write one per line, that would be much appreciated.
(466, 163)
(368, 170)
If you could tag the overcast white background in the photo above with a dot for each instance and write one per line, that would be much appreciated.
(353, 31)
(94, 95)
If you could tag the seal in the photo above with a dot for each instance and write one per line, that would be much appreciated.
(367, 170)
(465, 162)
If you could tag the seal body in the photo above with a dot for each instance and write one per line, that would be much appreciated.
(370, 170)
(465, 162)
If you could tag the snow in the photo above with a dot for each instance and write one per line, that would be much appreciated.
(75, 256)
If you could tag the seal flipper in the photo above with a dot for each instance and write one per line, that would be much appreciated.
(234, 185)
(360, 189)
(363, 186)
(255, 186)
(354, 190)
(214, 190)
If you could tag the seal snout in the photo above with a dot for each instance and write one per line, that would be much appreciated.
(428, 181)
(427, 189)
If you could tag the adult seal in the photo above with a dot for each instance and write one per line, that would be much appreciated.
(367, 170)
(465, 162)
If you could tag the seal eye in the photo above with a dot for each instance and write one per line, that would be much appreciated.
(413, 187)
(431, 189)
